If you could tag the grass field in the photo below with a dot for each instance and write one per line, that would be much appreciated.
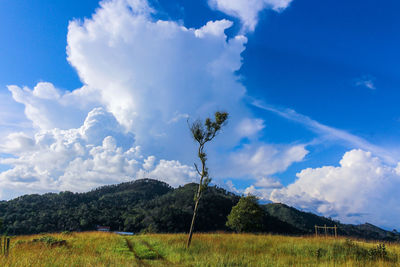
(218, 249)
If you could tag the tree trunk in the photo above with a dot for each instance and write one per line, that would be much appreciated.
(199, 191)
(196, 205)
(192, 224)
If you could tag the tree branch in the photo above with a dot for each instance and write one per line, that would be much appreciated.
(197, 169)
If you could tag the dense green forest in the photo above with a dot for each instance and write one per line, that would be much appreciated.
(154, 206)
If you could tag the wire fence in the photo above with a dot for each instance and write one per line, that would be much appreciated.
(326, 230)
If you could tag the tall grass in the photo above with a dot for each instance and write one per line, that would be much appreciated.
(217, 249)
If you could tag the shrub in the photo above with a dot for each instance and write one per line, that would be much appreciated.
(378, 253)
(246, 216)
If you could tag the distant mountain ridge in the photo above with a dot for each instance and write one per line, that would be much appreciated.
(304, 223)
(154, 206)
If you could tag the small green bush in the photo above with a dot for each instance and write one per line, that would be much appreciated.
(378, 253)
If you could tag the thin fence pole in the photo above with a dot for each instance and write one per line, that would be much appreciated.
(8, 246)
(4, 245)
(1, 248)
(331, 230)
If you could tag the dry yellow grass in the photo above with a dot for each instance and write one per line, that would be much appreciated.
(217, 249)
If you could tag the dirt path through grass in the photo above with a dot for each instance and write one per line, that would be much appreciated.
(159, 256)
(137, 257)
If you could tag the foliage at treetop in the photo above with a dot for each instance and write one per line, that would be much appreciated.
(204, 133)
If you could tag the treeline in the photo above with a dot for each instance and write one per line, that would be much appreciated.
(142, 205)
(153, 206)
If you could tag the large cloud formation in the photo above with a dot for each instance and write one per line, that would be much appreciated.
(150, 73)
(142, 79)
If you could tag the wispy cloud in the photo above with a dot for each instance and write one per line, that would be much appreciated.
(366, 81)
(327, 132)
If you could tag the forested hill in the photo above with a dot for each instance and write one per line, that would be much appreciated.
(151, 205)
(140, 205)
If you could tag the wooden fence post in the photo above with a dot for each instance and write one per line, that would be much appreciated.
(332, 230)
(4, 245)
(8, 246)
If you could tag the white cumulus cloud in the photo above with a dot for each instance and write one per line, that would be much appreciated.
(247, 10)
(78, 159)
(263, 188)
(250, 127)
(172, 172)
(149, 71)
(260, 160)
(361, 189)
(47, 107)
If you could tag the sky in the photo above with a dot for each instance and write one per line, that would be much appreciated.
(95, 93)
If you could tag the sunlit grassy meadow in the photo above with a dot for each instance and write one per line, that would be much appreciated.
(217, 249)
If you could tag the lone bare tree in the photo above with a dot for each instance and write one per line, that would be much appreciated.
(203, 133)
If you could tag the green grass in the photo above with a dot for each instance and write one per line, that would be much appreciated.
(217, 249)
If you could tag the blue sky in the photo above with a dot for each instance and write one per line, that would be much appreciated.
(311, 87)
